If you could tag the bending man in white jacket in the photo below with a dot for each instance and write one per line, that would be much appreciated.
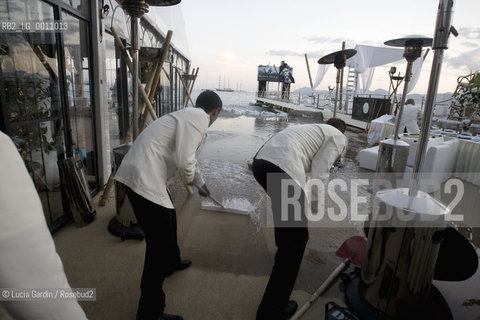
(165, 147)
(291, 156)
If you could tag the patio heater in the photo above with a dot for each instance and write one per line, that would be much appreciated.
(412, 50)
(402, 254)
(338, 59)
(136, 9)
(393, 153)
(126, 227)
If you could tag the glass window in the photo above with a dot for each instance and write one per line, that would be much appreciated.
(117, 112)
(117, 19)
(80, 5)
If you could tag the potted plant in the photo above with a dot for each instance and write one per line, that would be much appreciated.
(468, 96)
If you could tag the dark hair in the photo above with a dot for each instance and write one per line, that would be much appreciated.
(337, 123)
(410, 101)
(208, 101)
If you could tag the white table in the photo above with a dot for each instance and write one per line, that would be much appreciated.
(375, 131)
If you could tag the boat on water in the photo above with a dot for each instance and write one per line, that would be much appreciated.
(224, 90)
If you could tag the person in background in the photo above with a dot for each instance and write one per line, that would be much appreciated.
(282, 66)
(165, 147)
(286, 77)
(410, 117)
(294, 154)
(28, 258)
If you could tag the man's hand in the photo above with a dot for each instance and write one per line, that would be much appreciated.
(201, 186)
(203, 190)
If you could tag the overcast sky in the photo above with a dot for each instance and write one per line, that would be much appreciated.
(229, 39)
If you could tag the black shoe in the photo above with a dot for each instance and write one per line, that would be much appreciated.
(290, 309)
(170, 317)
(183, 264)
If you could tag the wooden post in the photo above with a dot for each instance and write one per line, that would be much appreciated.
(309, 74)
(190, 87)
(129, 64)
(157, 73)
(310, 77)
(185, 87)
(152, 89)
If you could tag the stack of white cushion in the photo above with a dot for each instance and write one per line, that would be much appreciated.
(438, 166)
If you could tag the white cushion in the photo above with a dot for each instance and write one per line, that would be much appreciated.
(367, 158)
(413, 149)
(438, 166)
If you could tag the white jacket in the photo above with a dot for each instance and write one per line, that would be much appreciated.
(166, 146)
(304, 151)
(28, 258)
(410, 116)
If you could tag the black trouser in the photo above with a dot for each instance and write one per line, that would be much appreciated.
(290, 238)
(161, 256)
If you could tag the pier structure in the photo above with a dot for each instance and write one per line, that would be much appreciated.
(322, 114)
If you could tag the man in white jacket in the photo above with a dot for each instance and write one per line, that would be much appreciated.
(410, 117)
(293, 155)
(165, 147)
(28, 258)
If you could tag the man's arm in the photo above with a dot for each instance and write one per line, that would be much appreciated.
(189, 136)
(331, 149)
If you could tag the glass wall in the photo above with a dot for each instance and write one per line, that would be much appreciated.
(170, 96)
(78, 93)
(119, 96)
(46, 96)
(31, 101)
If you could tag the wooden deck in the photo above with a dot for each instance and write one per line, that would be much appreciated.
(326, 114)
